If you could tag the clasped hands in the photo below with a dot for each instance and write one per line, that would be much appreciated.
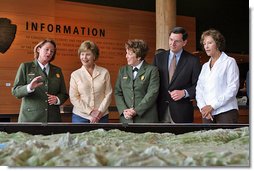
(129, 113)
(206, 112)
(96, 115)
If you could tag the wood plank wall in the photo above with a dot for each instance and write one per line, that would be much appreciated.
(69, 24)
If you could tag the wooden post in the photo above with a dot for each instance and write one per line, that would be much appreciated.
(165, 21)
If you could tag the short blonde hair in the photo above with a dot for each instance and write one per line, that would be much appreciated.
(41, 44)
(89, 45)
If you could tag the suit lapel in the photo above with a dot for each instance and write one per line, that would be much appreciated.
(35, 68)
(38, 72)
(165, 66)
(51, 71)
(142, 70)
(129, 72)
(128, 75)
(38, 69)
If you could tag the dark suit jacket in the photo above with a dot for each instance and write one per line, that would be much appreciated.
(140, 94)
(185, 77)
(34, 106)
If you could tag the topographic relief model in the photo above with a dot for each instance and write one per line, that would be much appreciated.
(219, 147)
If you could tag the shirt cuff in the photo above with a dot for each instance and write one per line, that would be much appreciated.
(186, 94)
(58, 101)
(28, 88)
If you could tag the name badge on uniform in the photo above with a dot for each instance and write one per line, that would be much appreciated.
(125, 77)
(31, 76)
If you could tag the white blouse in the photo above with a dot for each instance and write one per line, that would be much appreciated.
(218, 86)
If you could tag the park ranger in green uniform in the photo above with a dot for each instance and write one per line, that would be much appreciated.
(41, 86)
(137, 86)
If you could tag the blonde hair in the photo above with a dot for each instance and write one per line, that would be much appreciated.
(41, 44)
(89, 45)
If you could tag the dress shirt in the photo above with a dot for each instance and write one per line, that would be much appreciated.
(138, 67)
(218, 86)
(44, 66)
(171, 54)
(90, 92)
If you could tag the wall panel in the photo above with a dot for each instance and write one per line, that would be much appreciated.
(69, 24)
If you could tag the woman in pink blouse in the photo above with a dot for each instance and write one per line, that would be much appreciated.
(90, 87)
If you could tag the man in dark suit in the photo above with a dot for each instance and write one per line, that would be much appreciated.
(179, 71)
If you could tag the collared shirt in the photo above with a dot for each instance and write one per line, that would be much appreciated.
(90, 92)
(171, 54)
(44, 66)
(138, 66)
(218, 86)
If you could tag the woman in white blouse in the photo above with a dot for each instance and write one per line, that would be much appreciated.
(90, 87)
(218, 82)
